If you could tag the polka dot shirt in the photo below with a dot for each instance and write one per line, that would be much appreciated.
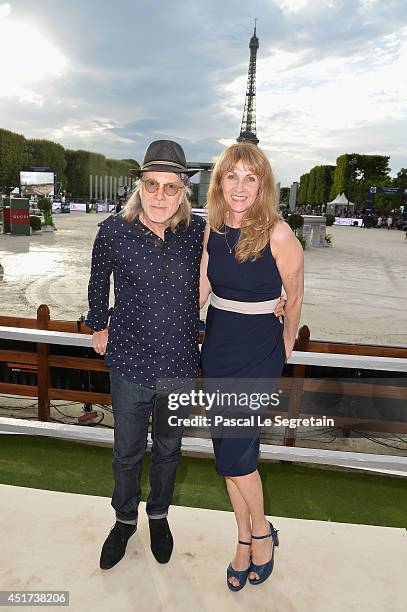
(153, 327)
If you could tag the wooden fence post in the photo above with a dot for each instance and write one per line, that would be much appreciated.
(294, 403)
(43, 377)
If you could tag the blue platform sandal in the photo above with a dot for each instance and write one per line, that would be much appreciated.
(263, 571)
(241, 576)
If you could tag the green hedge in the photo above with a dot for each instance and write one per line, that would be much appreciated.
(73, 167)
(295, 221)
(13, 156)
(47, 153)
(35, 223)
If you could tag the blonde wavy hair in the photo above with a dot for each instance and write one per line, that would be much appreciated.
(260, 218)
(133, 208)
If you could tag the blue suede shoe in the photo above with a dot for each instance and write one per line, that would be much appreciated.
(241, 576)
(264, 571)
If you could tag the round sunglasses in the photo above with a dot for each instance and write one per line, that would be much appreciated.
(170, 189)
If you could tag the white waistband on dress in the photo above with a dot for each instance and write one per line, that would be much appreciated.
(252, 308)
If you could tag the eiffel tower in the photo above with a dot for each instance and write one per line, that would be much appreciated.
(248, 127)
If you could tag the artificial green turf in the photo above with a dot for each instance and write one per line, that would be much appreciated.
(290, 490)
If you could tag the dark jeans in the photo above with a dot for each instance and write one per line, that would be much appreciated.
(132, 405)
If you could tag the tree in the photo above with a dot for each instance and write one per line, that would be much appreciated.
(79, 165)
(132, 162)
(116, 167)
(73, 167)
(295, 221)
(13, 157)
(341, 176)
(373, 167)
(330, 219)
(318, 186)
(45, 206)
(311, 186)
(323, 184)
(356, 179)
(285, 195)
(35, 223)
(302, 190)
(48, 153)
(400, 179)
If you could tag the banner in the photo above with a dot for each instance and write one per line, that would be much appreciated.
(348, 221)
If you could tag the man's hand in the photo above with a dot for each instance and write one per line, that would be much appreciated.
(99, 340)
(279, 309)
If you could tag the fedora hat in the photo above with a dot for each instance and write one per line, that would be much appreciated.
(164, 156)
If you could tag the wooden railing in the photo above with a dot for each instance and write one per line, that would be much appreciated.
(41, 361)
(293, 380)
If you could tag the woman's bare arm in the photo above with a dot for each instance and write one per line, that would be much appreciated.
(204, 285)
(289, 256)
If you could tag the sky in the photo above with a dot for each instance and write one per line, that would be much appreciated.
(112, 76)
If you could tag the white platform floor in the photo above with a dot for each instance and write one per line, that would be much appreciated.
(52, 541)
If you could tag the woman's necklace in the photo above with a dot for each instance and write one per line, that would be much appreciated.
(228, 245)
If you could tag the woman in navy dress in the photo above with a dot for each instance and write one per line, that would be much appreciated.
(250, 253)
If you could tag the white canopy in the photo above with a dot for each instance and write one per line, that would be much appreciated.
(340, 200)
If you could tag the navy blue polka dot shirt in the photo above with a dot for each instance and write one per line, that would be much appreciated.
(153, 327)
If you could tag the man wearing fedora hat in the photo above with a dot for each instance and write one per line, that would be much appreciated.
(153, 248)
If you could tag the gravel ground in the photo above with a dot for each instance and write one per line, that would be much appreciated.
(355, 290)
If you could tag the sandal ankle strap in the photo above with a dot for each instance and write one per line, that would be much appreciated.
(261, 537)
(245, 543)
(269, 535)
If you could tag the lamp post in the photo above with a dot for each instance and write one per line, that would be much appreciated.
(352, 163)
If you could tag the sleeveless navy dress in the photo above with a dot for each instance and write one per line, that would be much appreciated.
(247, 346)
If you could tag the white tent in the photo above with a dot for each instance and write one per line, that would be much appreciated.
(339, 203)
(341, 199)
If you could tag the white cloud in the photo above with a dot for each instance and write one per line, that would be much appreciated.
(5, 10)
(80, 135)
(331, 76)
(27, 60)
(309, 102)
(293, 6)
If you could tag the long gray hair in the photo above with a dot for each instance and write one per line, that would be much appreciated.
(133, 208)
